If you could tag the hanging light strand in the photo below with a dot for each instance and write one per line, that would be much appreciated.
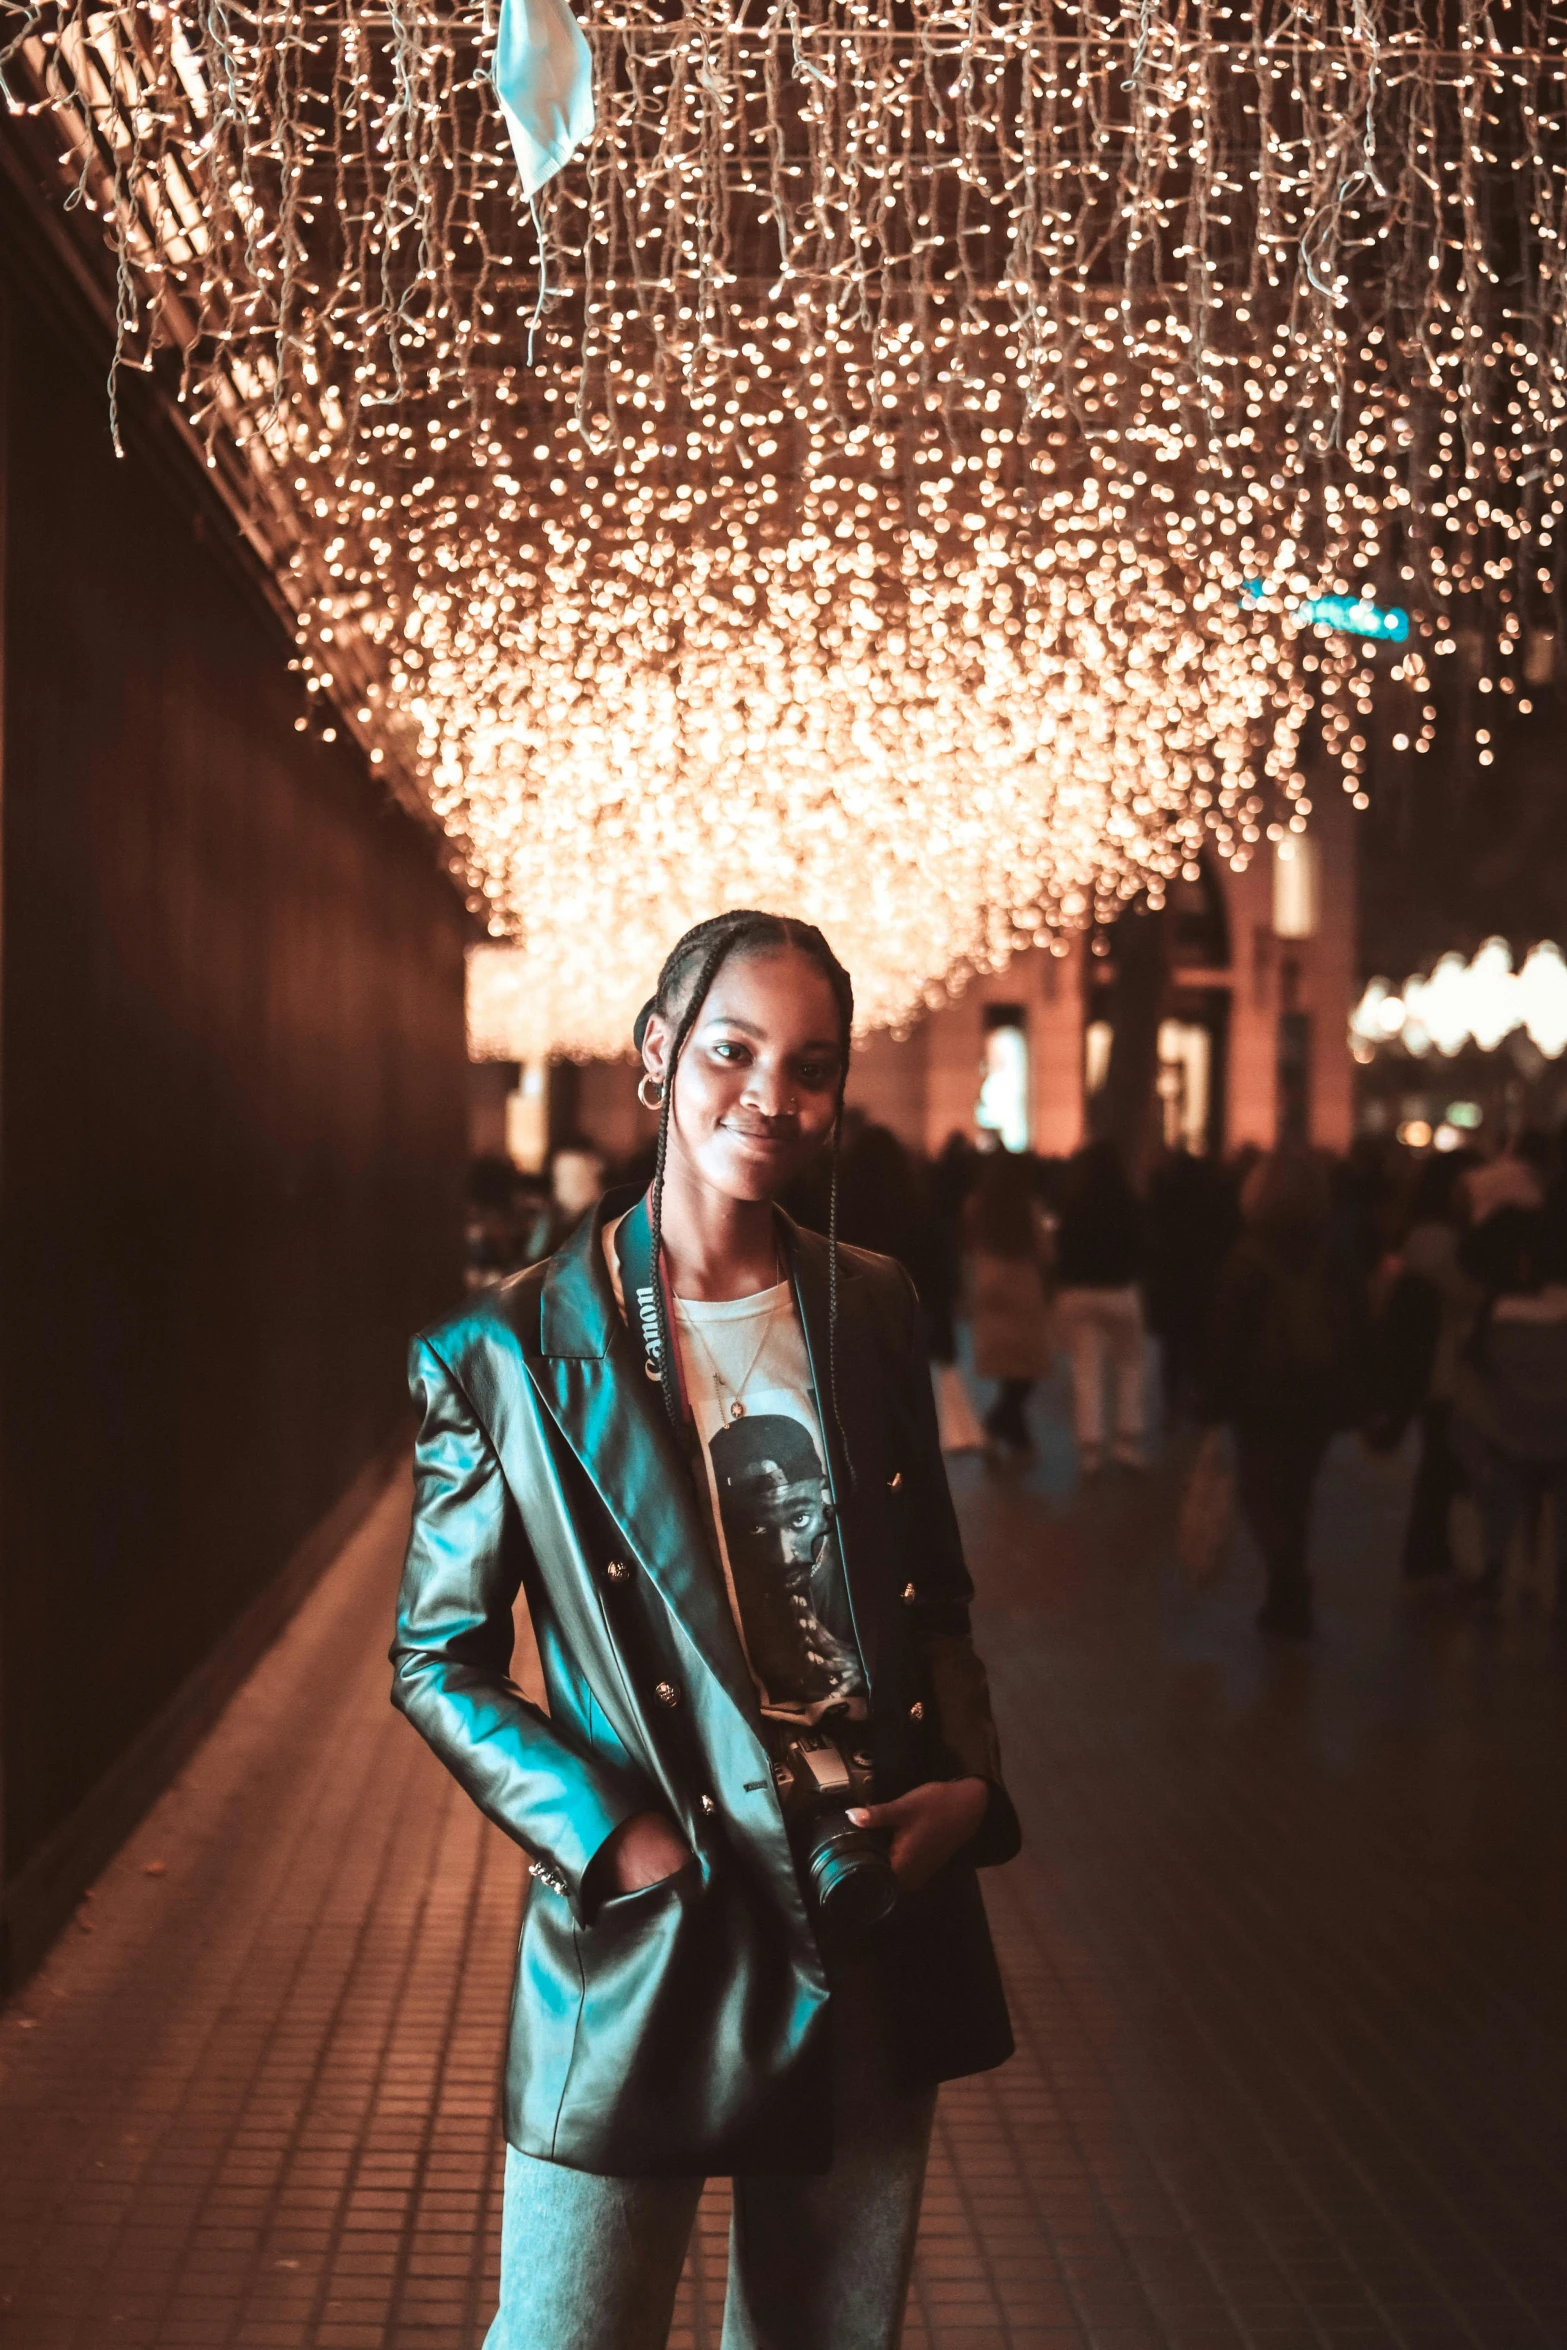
(893, 478)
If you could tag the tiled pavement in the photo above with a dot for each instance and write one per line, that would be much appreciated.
(1286, 1951)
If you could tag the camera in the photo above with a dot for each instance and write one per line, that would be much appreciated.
(848, 1877)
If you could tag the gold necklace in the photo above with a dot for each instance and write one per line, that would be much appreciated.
(736, 1394)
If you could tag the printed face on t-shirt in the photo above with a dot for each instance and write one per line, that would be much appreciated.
(747, 1377)
(789, 1525)
(776, 1518)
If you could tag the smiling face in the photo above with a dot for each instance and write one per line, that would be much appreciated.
(757, 1084)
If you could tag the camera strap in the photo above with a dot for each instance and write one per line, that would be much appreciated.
(634, 1254)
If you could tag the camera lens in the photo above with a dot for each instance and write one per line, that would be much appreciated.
(852, 1881)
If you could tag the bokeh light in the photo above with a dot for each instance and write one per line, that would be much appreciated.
(888, 475)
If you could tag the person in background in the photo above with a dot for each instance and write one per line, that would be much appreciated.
(1008, 1300)
(950, 1180)
(1099, 1264)
(1516, 1178)
(491, 1221)
(576, 1185)
(1193, 1221)
(510, 1220)
(1286, 1366)
(1510, 1404)
(535, 1219)
(882, 1205)
(1555, 1179)
(1367, 1201)
(1426, 1312)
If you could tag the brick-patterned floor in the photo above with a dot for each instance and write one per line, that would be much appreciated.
(1286, 1951)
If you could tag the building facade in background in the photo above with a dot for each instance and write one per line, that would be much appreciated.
(1221, 1021)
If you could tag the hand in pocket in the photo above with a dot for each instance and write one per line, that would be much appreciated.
(642, 1851)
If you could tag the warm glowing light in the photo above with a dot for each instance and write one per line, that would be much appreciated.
(1479, 1002)
(910, 474)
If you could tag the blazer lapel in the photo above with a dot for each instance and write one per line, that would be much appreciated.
(857, 1373)
(612, 1415)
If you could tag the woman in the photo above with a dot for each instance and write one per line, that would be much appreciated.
(1510, 1391)
(700, 1443)
(1193, 1219)
(1286, 1367)
(1425, 1313)
(1099, 1306)
(1008, 1303)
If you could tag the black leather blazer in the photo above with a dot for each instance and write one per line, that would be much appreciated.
(682, 2029)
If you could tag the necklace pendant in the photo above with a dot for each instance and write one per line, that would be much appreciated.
(737, 1410)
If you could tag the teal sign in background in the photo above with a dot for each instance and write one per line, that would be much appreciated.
(1352, 614)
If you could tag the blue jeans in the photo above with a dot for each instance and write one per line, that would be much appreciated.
(815, 2263)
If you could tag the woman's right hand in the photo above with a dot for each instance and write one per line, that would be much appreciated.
(643, 1850)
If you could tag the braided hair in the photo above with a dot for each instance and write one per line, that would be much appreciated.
(684, 983)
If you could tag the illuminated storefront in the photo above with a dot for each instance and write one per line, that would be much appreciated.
(1229, 1016)
(1466, 1052)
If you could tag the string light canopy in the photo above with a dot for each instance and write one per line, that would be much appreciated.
(892, 472)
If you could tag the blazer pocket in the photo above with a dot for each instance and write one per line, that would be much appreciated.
(583, 1995)
(647, 1969)
(622, 1910)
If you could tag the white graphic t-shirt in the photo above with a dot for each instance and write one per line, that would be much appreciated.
(769, 1498)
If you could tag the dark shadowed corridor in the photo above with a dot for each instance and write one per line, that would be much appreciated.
(1285, 1950)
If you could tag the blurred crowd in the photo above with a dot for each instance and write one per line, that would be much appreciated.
(1284, 1297)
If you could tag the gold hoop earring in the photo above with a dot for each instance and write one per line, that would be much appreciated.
(647, 1078)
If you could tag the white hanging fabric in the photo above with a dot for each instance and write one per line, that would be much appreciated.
(543, 77)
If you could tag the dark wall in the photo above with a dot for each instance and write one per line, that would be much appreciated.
(232, 1111)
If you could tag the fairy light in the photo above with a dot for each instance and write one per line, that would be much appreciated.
(901, 478)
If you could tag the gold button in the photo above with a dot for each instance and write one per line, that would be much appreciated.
(916, 1711)
(910, 1595)
(895, 1482)
(618, 1571)
(666, 1693)
(708, 1805)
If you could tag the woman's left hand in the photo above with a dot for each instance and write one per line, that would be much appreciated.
(928, 1825)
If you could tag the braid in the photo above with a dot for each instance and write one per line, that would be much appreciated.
(714, 941)
(832, 1292)
(666, 1344)
(843, 989)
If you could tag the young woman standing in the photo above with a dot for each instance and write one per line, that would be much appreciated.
(700, 1443)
